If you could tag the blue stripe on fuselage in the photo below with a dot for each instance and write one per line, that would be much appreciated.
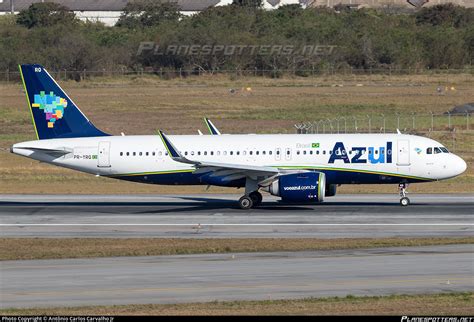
(332, 177)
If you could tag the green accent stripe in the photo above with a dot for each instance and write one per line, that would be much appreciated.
(208, 127)
(28, 100)
(352, 170)
(164, 143)
(148, 173)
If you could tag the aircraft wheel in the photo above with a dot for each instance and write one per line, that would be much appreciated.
(256, 198)
(404, 201)
(245, 202)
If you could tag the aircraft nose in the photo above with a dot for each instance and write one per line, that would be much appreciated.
(460, 165)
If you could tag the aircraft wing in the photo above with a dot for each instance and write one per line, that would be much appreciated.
(228, 171)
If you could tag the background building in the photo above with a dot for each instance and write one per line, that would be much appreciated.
(109, 11)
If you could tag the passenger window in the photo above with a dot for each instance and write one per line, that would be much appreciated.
(153, 153)
(218, 152)
(270, 152)
(205, 152)
(224, 153)
(257, 152)
(278, 152)
(160, 153)
(212, 152)
(298, 152)
(437, 150)
(121, 153)
(288, 152)
(317, 152)
(134, 153)
(251, 152)
(264, 152)
(199, 152)
(244, 152)
(324, 151)
(166, 153)
(185, 152)
(304, 151)
(376, 151)
(237, 152)
(231, 152)
(128, 153)
(192, 152)
(140, 154)
(147, 153)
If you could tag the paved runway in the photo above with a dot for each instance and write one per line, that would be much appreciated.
(199, 278)
(219, 216)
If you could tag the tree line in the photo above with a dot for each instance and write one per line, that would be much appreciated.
(154, 35)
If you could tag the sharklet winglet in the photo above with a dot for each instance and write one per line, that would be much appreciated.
(172, 150)
(211, 127)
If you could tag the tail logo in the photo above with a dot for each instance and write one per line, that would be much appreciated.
(53, 106)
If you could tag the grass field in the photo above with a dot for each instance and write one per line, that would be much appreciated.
(141, 105)
(461, 304)
(49, 248)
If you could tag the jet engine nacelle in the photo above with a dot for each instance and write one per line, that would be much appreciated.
(330, 190)
(300, 187)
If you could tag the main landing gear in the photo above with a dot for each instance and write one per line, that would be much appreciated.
(253, 199)
(402, 188)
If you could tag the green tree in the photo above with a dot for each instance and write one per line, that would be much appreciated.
(447, 15)
(248, 3)
(46, 14)
(148, 13)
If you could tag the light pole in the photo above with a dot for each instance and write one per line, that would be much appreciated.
(432, 121)
(449, 120)
(383, 118)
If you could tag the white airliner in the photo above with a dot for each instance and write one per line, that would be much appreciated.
(298, 168)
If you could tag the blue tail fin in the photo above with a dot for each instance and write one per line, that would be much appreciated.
(54, 114)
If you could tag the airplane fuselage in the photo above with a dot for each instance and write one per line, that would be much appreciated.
(344, 158)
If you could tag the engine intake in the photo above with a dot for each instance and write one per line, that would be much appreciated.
(300, 187)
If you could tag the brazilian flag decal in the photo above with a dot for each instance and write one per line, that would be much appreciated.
(315, 145)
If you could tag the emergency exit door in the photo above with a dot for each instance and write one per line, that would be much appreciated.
(403, 152)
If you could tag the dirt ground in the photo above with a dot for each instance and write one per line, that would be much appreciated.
(50, 248)
(141, 105)
(461, 304)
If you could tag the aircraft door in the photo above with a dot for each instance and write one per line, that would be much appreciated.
(403, 152)
(103, 155)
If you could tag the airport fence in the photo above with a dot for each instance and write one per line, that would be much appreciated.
(78, 75)
(447, 125)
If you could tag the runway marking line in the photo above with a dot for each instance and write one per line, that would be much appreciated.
(196, 225)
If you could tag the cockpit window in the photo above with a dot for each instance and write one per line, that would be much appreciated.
(444, 149)
(437, 150)
(429, 151)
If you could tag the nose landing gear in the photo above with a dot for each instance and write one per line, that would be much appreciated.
(404, 201)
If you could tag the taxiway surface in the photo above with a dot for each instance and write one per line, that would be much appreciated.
(259, 276)
(219, 216)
